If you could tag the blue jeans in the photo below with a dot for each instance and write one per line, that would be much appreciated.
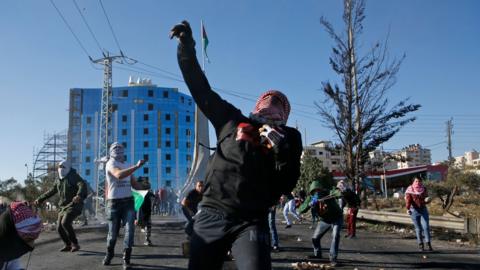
(420, 220)
(320, 231)
(120, 211)
(273, 228)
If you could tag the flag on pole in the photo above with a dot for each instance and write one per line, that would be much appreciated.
(205, 42)
(138, 197)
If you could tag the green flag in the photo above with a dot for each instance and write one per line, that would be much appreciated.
(138, 197)
(205, 42)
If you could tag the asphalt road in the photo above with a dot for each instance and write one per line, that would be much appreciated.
(369, 250)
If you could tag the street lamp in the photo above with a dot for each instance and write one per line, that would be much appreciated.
(26, 166)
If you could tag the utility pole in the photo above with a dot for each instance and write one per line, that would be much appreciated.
(105, 128)
(449, 139)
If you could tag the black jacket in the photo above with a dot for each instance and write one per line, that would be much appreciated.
(243, 178)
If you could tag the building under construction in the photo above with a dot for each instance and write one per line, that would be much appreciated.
(46, 158)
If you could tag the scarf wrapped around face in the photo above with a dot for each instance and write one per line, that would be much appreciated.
(64, 168)
(416, 188)
(117, 152)
(272, 113)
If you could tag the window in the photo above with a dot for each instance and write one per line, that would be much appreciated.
(189, 102)
(150, 107)
(168, 143)
(320, 153)
(189, 158)
(125, 158)
(165, 94)
(168, 157)
(187, 118)
(189, 144)
(167, 130)
(334, 162)
(187, 132)
(124, 144)
(124, 93)
(182, 99)
(124, 118)
(89, 120)
(188, 170)
(145, 144)
(145, 131)
(88, 133)
(150, 93)
(87, 159)
(124, 132)
(114, 107)
(145, 117)
(167, 116)
(168, 169)
(145, 170)
(87, 146)
(87, 172)
(145, 157)
(168, 183)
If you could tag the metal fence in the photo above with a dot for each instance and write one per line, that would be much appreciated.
(461, 225)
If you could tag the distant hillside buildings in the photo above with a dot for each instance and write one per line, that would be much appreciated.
(411, 156)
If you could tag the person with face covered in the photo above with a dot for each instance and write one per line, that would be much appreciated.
(120, 203)
(71, 190)
(19, 227)
(257, 159)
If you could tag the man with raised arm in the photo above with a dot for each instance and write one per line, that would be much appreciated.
(120, 204)
(257, 159)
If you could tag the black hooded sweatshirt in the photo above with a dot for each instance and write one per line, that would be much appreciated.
(244, 178)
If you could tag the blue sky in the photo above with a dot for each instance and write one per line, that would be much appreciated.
(254, 46)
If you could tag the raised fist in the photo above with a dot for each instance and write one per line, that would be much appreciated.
(182, 32)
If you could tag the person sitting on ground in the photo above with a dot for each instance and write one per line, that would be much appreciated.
(19, 227)
(72, 190)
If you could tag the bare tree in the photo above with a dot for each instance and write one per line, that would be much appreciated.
(359, 111)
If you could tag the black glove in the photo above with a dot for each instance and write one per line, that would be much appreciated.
(183, 32)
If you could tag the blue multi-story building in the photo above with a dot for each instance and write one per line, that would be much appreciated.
(153, 123)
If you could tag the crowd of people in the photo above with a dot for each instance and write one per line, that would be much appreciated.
(232, 212)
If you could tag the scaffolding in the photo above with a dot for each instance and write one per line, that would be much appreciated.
(54, 150)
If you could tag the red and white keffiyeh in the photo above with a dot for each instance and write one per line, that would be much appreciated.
(28, 224)
(416, 188)
(272, 107)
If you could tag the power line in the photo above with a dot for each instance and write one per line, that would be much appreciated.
(111, 28)
(71, 29)
(88, 26)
